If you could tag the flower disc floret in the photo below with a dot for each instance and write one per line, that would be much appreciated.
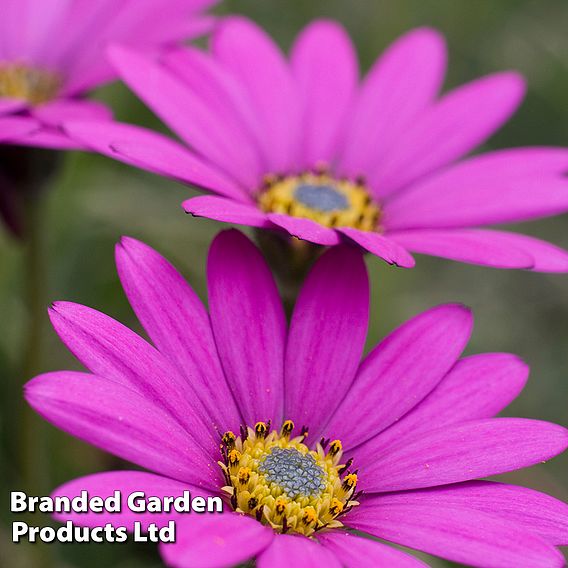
(35, 86)
(281, 482)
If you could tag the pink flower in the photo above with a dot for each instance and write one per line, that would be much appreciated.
(54, 51)
(416, 421)
(303, 147)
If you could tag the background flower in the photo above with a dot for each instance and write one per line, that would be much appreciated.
(53, 52)
(303, 147)
(415, 419)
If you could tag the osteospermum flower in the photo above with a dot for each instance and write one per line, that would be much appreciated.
(53, 52)
(303, 147)
(305, 442)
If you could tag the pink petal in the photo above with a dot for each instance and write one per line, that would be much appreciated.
(286, 551)
(478, 448)
(535, 512)
(226, 210)
(357, 552)
(460, 121)
(249, 325)
(503, 186)
(127, 482)
(117, 419)
(111, 350)
(140, 24)
(477, 387)
(403, 83)
(48, 137)
(546, 257)
(325, 66)
(153, 152)
(214, 85)
(258, 64)
(212, 135)
(216, 540)
(326, 338)
(10, 106)
(306, 229)
(467, 536)
(14, 127)
(472, 246)
(380, 246)
(400, 372)
(59, 111)
(164, 303)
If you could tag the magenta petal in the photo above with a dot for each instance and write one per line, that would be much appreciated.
(256, 61)
(469, 450)
(213, 136)
(117, 419)
(59, 111)
(400, 372)
(153, 152)
(285, 551)
(109, 349)
(215, 541)
(477, 387)
(326, 338)
(535, 512)
(325, 66)
(15, 127)
(164, 303)
(249, 325)
(220, 90)
(380, 246)
(48, 137)
(473, 246)
(9, 106)
(498, 187)
(467, 536)
(306, 229)
(403, 82)
(226, 210)
(460, 121)
(546, 256)
(357, 552)
(105, 484)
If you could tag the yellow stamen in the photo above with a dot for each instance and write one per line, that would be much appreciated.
(335, 447)
(287, 428)
(234, 457)
(18, 81)
(261, 429)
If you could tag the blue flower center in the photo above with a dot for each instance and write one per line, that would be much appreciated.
(321, 197)
(295, 473)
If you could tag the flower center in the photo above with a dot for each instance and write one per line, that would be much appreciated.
(322, 198)
(35, 86)
(295, 473)
(282, 483)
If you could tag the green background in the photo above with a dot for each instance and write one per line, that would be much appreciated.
(95, 200)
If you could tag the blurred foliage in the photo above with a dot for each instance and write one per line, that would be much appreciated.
(95, 201)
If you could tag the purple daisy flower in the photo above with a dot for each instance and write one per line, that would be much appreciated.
(53, 52)
(303, 147)
(305, 442)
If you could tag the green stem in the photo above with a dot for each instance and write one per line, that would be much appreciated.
(290, 260)
(33, 445)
